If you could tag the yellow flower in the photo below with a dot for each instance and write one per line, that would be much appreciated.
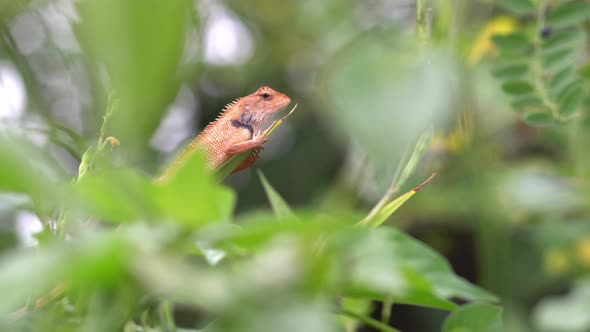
(583, 252)
(556, 261)
(483, 45)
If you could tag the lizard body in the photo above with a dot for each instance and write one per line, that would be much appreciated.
(237, 129)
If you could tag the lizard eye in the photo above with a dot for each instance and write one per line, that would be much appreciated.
(265, 96)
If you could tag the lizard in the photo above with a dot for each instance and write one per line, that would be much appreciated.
(235, 130)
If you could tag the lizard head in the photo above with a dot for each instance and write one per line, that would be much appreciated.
(259, 107)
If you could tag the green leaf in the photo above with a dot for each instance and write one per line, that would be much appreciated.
(558, 59)
(139, 45)
(431, 266)
(477, 317)
(95, 261)
(193, 196)
(25, 169)
(112, 195)
(511, 43)
(385, 262)
(350, 85)
(278, 204)
(560, 81)
(392, 206)
(418, 152)
(571, 98)
(510, 72)
(526, 103)
(539, 119)
(566, 38)
(517, 87)
(568, 14)
(521, 7)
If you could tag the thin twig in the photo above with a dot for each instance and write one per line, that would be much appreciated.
(369, 321)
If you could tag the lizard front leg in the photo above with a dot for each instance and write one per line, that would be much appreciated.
(251, 160)
(257, 142)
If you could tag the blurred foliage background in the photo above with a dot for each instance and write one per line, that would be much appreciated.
(97, 96)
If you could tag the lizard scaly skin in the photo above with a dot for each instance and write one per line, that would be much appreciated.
(237, 129)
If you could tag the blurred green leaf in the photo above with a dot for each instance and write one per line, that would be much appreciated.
(568, 14)
(510, 72)
(92, 262)
(585, 71)
(563, 39)
(476, 317)
(140, 44)
(112, 195)
(278, 204)
(517, 87)
(518, 6)
(192, 197)
(558, 59)
(511, 43)
(24, 168)
(420, 149)
(386, 262)
(540, 119)
(527, 102)
(405, 94)
(560, 81)
(571, 97)
(378, 262)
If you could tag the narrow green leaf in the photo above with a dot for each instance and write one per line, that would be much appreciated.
(419, 150)
(585, 71)
(520, 7)
(517, 87)
(569, 88)
(477, 317)
(511, 43)
(278, 204)
(539, 119)
(510, 72)
(526, 103)
(560, 81)
(558, 59)
(565, 38)
(392, 206)
(571, 98)
(568, 14)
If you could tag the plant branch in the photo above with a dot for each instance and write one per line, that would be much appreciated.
(369, 321)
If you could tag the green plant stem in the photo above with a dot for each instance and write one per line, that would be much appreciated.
(537, 63)
(386, 309)
(166, 318)
(89, 156)
(369, 321)
(393, 188)
(423, 20)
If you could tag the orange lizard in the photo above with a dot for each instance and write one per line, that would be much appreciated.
(237, 129)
